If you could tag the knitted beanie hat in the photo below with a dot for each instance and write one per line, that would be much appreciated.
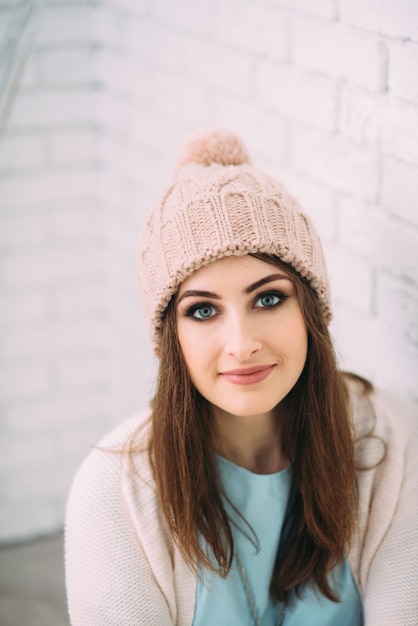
(220, 205)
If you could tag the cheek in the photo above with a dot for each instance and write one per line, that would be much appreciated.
(296, 336)
(193, 347)
(197, 363)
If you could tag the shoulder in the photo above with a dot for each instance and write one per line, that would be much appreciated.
(100, 476)
(384, 550)
(386, 445)
(394, 413)
(119, 437)
(386, 442)
(118, 555)
(380, 414)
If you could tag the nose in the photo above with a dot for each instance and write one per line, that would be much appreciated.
(241, 337)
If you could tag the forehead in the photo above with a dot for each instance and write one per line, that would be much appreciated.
(232, 269)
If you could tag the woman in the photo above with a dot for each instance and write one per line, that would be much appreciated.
(263, 486)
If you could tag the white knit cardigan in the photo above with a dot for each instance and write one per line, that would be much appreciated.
(123, 568)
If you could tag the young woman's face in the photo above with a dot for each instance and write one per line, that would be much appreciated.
(242, 334)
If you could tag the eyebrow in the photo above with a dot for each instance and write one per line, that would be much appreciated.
(267, 279)
(210, 294)
(200, 294)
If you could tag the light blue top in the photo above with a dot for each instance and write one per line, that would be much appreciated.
(262, 501)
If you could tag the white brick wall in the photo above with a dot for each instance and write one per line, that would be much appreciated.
(253, 27)
(286, 89)
(334, 161)
(403, 75)
(397, 19)
(322, 8)
(325, 94)
(201, 60)
(336, 51)
(399, 189)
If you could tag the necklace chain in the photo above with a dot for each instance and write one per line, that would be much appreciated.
(250, 596)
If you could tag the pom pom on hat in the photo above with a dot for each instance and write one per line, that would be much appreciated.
(217, 146)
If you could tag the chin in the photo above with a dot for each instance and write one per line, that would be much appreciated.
(249, 409)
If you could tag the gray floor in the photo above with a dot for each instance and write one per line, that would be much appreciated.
(32, 591)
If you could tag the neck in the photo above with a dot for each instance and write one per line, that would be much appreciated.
(252, 442)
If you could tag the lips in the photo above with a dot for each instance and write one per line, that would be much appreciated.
(248, 375)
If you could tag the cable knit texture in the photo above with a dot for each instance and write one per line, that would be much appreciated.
(219, 205)
(123, 568)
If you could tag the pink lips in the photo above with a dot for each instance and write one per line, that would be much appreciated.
(248, 375)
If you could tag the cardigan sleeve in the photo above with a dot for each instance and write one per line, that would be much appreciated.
(109, 579)
(391, 591)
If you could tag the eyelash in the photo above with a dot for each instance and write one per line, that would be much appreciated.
(191, 310)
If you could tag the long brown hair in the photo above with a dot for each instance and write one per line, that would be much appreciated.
(317, 437)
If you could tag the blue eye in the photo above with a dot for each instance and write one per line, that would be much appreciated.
(202, 311)
(269, 300)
